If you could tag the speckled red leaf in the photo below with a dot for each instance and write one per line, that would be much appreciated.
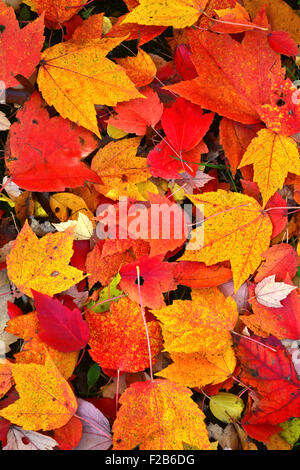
(20, 48)
(63, 329)
(118, 338)
(45, 154)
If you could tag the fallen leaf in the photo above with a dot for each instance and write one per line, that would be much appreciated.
(270, 293)
(49, 271)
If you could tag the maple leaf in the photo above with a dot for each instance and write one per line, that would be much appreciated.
(57, 11)
(61, 328)
(277, 383)
(235, 229)
(282, 323)
(83, 227)
(120, 169)
(156, 277)
(279, 259)
(41, 159)
(46, 400)
(272, 156)
(74, 77)
(270, 293)
(20, 48)
(200, 325)
(42, 264)
(139, 113)
(159, 415)
(35, 350)
(176, 13)
(118, 339)
(198, 369)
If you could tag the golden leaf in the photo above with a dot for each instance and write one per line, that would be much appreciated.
(273, 156)
(42, 264)
(46, 400)
(235, 228)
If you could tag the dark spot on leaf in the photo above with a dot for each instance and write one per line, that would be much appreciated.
(124, 179)
(2, 28)
(280, 102)
(142, 281)
(55, 273)
(34, 121)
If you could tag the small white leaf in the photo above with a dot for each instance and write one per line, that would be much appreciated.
(83, 227)
(19, 439)
(269, 292)
(4, 122)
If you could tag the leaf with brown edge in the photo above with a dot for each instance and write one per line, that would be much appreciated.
(118, 338)
(201, 325)
(46, 400)
(20, 48)
(159, 415)
(273, 156)
(42, 264)
(235, 229)
(198, 369)
(74, 77)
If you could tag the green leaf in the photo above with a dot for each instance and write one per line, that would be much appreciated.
(93, 376)
(106, 293)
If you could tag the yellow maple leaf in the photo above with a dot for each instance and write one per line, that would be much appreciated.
(34, 349)
(42, 264)
(121, 170)
(46, 400)
(74, 77)
(176, 13)
(198, 370)
(159, 415)
(235, 228)
(201, 325)
(273, 156)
